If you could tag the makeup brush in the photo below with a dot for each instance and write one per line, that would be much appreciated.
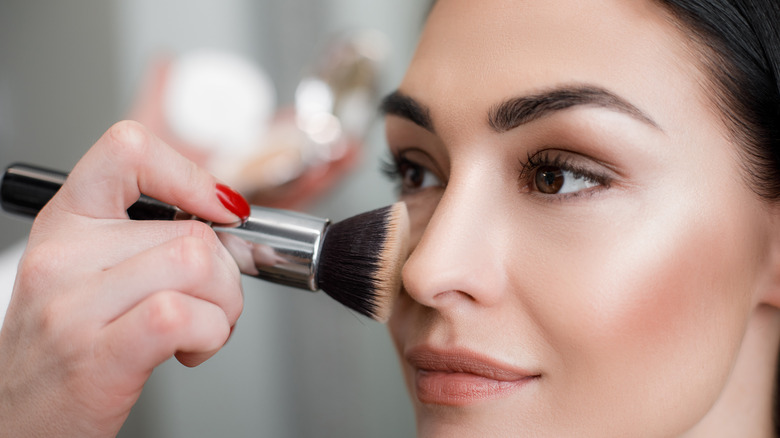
(357, 261)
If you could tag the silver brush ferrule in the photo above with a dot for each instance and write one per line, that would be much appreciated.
(277, 245)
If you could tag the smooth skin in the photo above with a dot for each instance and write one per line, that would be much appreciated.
(644, 293)
(100, 300)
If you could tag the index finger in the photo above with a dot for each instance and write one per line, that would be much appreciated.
(129, 160)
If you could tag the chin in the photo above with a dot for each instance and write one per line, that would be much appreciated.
(493, 419)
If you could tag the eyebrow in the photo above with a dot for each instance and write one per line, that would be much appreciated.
(401, 105)
(524, 109)
(517, 111)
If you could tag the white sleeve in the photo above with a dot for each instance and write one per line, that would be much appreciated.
(9, 261)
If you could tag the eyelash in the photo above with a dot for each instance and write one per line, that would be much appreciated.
(544, 158)
(392, 166)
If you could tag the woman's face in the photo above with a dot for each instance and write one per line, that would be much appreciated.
(587, 253)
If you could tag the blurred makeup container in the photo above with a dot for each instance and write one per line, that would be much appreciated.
(226, 104)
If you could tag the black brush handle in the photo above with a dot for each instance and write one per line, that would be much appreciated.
(25, 189)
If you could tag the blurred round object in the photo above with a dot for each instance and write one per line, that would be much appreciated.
(221, 102)
(343, 82)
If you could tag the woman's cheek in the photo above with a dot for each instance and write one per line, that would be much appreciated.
(646, 303)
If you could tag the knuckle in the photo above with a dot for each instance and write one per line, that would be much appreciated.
(41, 264)
(167, 312)
(193, 256)
(129, 141)
(198, 230)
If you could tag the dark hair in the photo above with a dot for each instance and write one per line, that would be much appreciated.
(738, 42)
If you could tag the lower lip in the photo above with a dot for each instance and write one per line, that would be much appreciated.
(459, 389)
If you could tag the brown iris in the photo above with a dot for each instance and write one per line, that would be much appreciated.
(549, 179)
(413, 175)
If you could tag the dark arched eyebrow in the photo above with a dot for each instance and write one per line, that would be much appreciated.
(401, 105)
(519, 110)
(524, 109)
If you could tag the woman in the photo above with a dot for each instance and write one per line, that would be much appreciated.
(597, 230)
(592, 187)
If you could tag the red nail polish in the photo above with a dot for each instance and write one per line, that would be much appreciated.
(233, 201)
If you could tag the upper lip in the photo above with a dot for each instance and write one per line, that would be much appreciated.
(464, 361)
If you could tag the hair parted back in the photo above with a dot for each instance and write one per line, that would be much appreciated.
(739, 43)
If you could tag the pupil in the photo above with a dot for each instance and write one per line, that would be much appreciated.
(549, 179)
(414, 176)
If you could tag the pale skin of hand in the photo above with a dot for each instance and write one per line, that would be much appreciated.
(100, 300)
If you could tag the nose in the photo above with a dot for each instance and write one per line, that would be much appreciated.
(458, 258)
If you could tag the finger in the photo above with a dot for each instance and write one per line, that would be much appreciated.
(158, 327)
(186, 264)
(195, 359)
(129, 160)
(122, 240)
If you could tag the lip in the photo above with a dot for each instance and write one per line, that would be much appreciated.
(458, 377)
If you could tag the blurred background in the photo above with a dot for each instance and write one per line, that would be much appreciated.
(298, 364)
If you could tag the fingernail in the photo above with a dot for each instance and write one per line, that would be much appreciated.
(233, 201)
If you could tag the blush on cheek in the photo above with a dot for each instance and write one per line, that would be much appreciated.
(655, 316)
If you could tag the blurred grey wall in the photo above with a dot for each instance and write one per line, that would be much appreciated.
(58, 84)
(298, 364)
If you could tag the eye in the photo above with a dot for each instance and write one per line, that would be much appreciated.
(552, 180)
(415, 176)
(411, 176)
(558, 173)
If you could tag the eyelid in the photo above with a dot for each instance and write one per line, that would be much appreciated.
(421, 158)
(576, 163)
(414, 156)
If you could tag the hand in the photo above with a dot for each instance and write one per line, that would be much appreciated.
(100, 300)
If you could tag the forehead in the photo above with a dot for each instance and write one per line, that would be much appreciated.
(473, 55)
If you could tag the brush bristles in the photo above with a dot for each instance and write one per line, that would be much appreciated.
(361, 259)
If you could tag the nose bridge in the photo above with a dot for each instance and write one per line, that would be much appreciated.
(456, 254)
